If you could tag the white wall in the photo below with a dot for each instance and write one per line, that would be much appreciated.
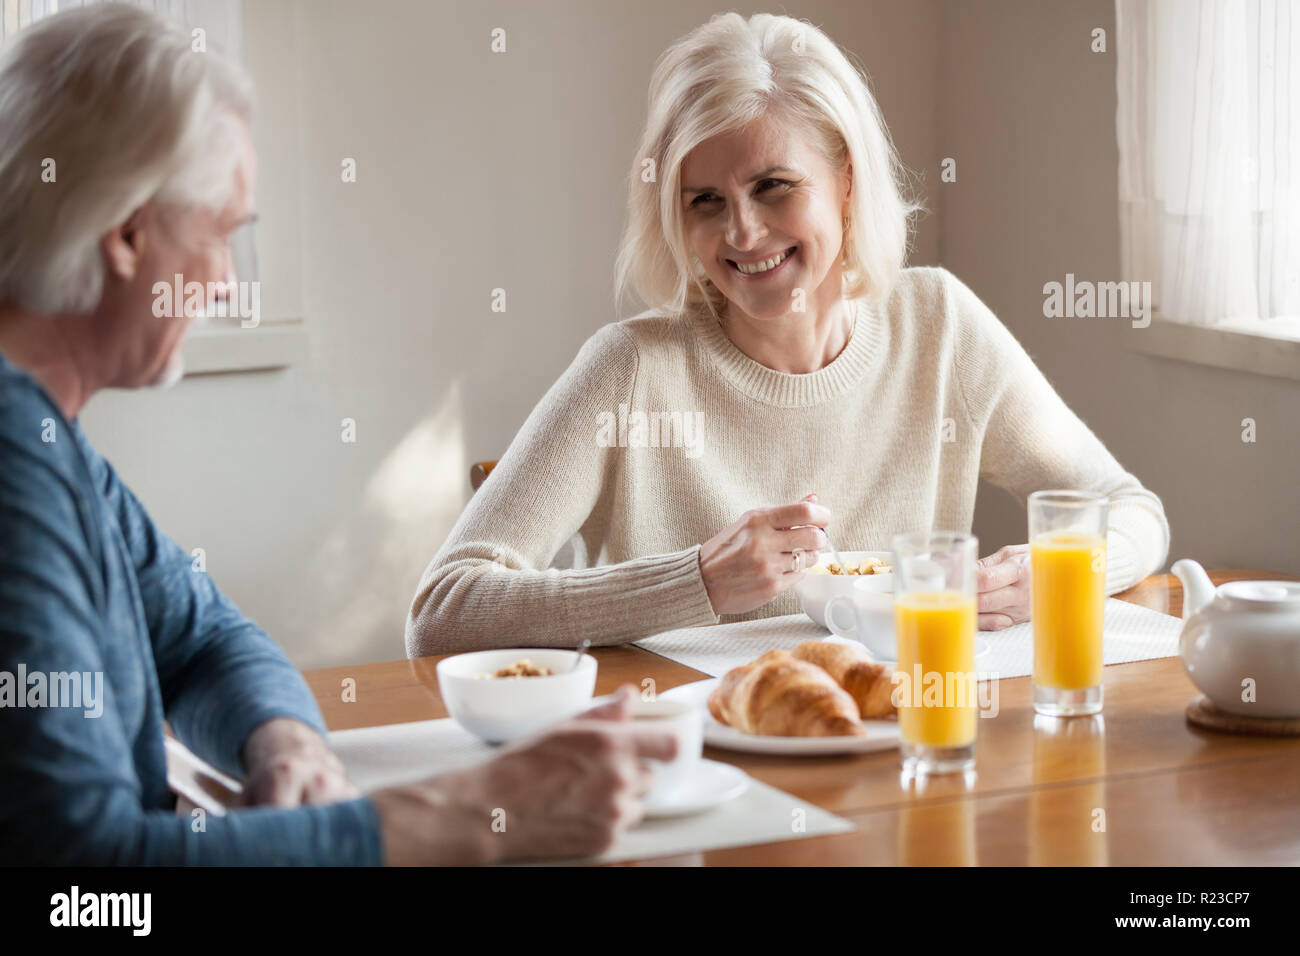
(478, 171)
(474, 171)
(1028, 111)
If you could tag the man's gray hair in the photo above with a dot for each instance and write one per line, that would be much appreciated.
(103, 109)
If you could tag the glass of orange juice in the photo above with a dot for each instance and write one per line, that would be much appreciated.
(934, 623)
(1067, 542)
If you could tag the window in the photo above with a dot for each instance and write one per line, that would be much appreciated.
(1209, 183)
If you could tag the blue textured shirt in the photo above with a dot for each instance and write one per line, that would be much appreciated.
(89, 585)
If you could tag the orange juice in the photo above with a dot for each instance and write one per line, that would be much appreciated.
(1069, 585)
(936, 653)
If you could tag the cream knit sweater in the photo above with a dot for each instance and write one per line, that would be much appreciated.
(930, 394)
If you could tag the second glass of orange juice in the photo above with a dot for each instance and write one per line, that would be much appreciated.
(1067, 542)
(934, 623)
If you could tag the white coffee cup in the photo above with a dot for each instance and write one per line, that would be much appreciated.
(866, 617)
(682, 720)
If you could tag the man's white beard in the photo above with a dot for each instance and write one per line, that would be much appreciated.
(172, 372)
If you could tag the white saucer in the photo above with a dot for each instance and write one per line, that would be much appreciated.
(711, 785)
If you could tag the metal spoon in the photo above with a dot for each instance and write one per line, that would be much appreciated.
(582, 649)
(834, 553)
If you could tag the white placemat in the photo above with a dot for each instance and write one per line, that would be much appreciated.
(378, 757)
(1130, 633)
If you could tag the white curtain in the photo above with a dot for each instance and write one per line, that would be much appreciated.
(1209, 149)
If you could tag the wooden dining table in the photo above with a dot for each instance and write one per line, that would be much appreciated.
(1135, 785)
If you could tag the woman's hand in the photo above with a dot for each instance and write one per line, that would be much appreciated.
(1002, 580)
(762, 554)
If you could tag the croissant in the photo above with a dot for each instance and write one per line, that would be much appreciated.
(778, 695)
(869, 683)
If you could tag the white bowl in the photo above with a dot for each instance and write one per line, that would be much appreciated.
(815, 589)
(504, 709)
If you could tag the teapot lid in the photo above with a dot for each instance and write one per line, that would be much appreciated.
(1263, 594)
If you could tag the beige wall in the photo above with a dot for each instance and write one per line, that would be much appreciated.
(474, 171)
(477, 171)
(1029, 113)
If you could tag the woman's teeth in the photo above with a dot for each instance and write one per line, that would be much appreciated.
(766, 265)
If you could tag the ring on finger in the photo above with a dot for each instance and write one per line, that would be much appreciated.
(796, 560)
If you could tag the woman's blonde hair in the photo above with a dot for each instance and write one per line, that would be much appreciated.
(721, 77)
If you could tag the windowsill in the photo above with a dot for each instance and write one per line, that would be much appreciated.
(1238, 348)
(214, 349)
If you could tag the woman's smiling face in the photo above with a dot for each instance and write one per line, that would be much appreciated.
(763, 210)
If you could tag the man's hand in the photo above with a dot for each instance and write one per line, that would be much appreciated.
(567, 792)
(289, 764)
(1002, 580)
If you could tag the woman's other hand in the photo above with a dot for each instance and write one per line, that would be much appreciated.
(1002, 580)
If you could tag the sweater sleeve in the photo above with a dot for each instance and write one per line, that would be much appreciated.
(489, 585)
(1031, 440)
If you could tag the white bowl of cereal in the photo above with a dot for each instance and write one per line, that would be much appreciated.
(503, 695)
(870, 571)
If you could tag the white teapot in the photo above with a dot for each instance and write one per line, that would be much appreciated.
(1241, 642)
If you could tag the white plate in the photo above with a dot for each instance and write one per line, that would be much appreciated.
(882, 734)
(982, 647)
(712, 784)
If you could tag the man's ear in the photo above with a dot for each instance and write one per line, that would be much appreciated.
(123, 246)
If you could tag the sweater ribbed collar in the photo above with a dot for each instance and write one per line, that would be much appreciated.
(784, 389)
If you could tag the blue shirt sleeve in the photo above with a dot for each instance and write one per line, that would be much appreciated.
(221, 675)
(71, 784)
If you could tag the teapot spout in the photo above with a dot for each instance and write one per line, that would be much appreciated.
(1198, 590)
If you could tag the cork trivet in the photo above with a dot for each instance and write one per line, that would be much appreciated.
(1202, 713)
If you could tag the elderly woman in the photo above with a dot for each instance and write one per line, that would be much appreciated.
(832, 387)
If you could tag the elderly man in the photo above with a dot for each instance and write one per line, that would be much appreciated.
(125, 160)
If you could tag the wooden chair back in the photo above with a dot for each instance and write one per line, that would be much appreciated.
(479, 471)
